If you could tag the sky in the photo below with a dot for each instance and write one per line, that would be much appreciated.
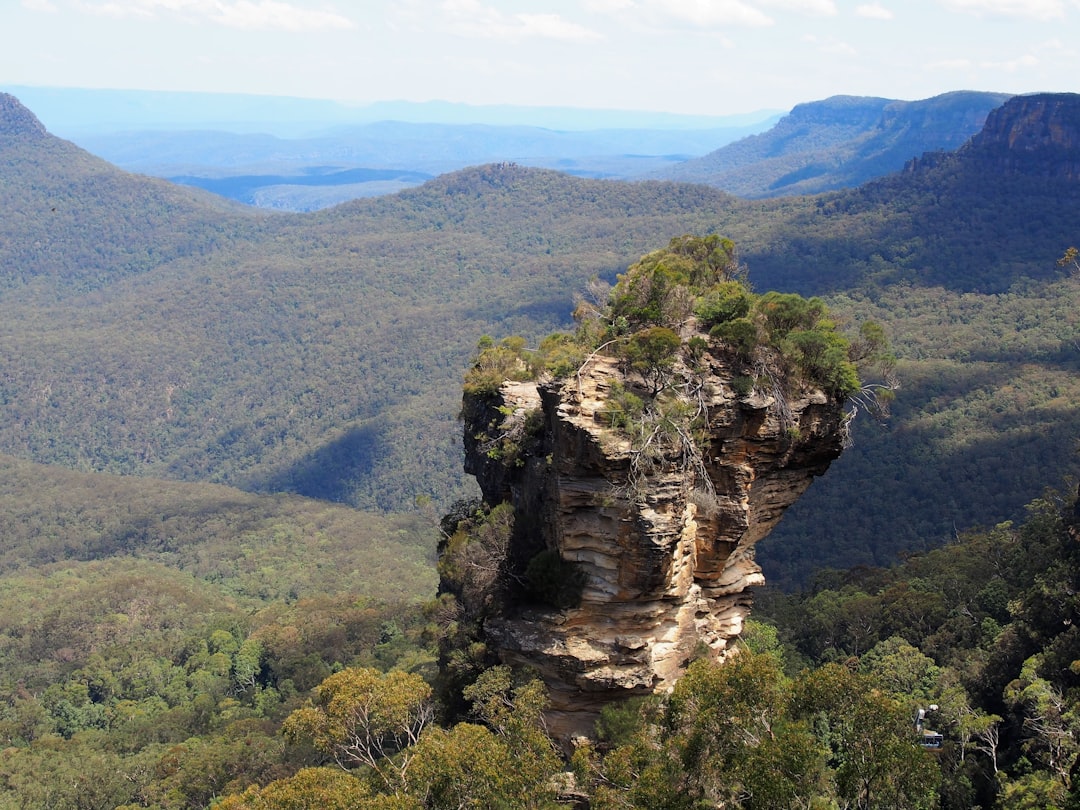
(705, 57)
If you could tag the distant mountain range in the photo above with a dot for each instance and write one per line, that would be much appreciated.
(155, 330)
(304, 154)
(74, 112)
(379, 158)
(840, 142)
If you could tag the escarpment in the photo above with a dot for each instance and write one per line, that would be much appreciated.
(1036, 134)
(640, 481)
(1029, 137)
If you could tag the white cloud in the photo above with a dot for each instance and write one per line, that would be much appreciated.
(553, 26)
(706, 14)
(607, 6)
(1007, 66)
(38, 5)
(711, 13)
(1011, 65)
(950, 64)
(838, 49)
(119, 10)
(830, 46)
(824, 7)
(251, 14)
(1033, 9)
(273, 14)
(873, 11)
(473, 19)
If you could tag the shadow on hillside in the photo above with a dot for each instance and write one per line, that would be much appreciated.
(333, 471)
(913, 483)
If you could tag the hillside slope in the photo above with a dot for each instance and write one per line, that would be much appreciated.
(253, 548)
(151, 332)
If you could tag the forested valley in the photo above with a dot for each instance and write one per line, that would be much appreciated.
(228, 438)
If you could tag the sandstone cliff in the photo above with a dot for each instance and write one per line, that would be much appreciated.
(1036, 134)
(1033, 136)
(661, 543)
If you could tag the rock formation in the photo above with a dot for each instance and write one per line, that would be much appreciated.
(663, 546)
(1033, 137)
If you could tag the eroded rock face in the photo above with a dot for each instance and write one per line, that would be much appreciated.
(1033, 135)
(667, 556)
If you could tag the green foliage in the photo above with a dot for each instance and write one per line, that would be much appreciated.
(692, 275)
(472, 558)
(823, 356)
(561, 354)
(155, 634)
(470, 766)
(473, 564)
(620, 722)
(173, 338)
(379, 722)
(983, 422)
(255, 547)
(659, 289)
(742, 385)
(871, 741)
(512, 706)
(623, 408)
(362, 717)
(903, 671)
(327, 788)
(783, 313)
(981, 633)
(740, 335)
(323, 354)
(319, 354)
(73, 774)
(657, 294)
(651, 353)
(743, 734)
(494, 364)
(724, 302)
(1070, 259)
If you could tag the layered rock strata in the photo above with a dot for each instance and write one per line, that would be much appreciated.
(666, 553)
(1033, 135)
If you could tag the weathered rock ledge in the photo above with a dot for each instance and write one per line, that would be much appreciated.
(668, 558)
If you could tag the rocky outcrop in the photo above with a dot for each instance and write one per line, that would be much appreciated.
(1036, 135)
(665, 550)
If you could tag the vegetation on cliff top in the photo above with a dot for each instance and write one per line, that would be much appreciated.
(694, 286)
